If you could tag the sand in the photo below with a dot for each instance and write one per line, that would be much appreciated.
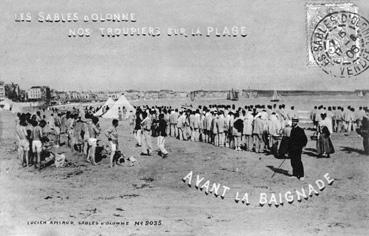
(153, 190)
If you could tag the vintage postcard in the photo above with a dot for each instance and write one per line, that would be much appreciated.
(182, 117)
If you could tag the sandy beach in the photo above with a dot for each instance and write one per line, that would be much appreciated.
(255, 68)
(151, 198)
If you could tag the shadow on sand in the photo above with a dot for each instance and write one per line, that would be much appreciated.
(350, 150)
(279, 170)
(310, 152)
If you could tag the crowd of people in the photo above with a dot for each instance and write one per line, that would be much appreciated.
(256, 128)
(332, 119)
(42, 131)
(340, 119)
(253, 128)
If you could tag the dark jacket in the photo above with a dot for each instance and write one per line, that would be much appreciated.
(364, 129)
(162, 128)
(298, 139)
(238, 125)
(138, 122)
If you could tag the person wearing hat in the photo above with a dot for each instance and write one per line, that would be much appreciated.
(297, 142)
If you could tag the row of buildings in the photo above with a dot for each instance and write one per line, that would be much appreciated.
(51, 96)
(73, 96)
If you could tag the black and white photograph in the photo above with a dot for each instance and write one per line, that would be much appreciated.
(183, 117)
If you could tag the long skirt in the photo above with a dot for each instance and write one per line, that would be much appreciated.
(324, 145)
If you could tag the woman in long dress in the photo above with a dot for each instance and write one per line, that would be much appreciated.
(324, 142)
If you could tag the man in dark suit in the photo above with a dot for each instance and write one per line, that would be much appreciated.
(298, 141)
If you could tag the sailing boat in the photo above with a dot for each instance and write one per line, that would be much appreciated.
(232, 95)
(192, 96)
(275, 97)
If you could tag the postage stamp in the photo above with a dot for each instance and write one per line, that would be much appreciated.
(315, 12)
(339, 44)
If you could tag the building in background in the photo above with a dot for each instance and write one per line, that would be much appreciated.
(39, 93)
(35, 93)
(74, 96)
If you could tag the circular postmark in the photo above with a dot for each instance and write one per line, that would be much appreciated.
(340, 44)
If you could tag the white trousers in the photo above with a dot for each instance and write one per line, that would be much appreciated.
(195, 135)
(161, 144)
(146, 141)
(138, 137)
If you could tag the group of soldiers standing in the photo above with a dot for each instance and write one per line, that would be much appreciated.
(250, 128)
(258, 128)
(343, 119)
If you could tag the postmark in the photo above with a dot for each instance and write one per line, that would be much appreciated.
(315, 12)
(340, 44)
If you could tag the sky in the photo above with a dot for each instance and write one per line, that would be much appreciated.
(273, 55)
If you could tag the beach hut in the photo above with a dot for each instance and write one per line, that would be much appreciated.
(109, 103)
(112, 113)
